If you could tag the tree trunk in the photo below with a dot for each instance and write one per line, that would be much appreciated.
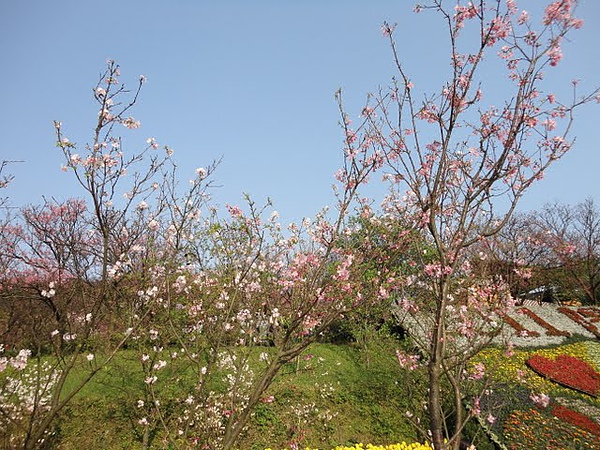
(436, 419)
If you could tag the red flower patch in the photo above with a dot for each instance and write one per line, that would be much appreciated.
(550, 330)
(568, 371)
(576, 418)
(520, 329)
(577, 317)
(591, 313)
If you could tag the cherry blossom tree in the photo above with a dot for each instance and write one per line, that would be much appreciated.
(458, 160)
(64, 292)
(245, 297)
(139, 260)
(5, 178)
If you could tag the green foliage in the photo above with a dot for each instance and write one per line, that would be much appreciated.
(331, 395)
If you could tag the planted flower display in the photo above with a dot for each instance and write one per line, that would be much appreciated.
(576, 418)
(543, 402)
(568, 371)
(400, 446)
(531, 429)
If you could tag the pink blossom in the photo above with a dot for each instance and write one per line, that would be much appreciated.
(19, 362)
(463, 13)
(436, 270)
(524, 272)
(201, 173)
(407, 361)
(131, 123)
(577, 23)
(152, 142)
(383, 293)
(180, 284)
(549, 124)
(367, 111)
(387, 29)
(234, 211)
(479, 371)
(555, 54)
(428, 113)
(523, 18)
(505, 52)
(75, 159)
(350, 136)
(558, 11)
(531, 38)
(512, 6)
(500, 28)
(510, 350)
(407, 305)
(541, 400)
(159, 365)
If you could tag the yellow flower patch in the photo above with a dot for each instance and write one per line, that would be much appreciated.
(400, 446)
(508, 369)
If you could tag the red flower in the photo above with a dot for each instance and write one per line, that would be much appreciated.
(551, 331)
(576, 418)
(521, 330)
(580, 319)
(568, 371)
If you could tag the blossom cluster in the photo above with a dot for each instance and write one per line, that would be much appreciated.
(25, 395)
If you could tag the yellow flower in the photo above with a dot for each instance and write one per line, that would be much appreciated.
(400, 446)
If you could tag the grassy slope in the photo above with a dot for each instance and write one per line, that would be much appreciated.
(336, 394)
(332, 395)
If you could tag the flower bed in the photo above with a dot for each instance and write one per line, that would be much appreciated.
(568, 371)
(576, 418)
(580, 316)
(550, 329)
(400, 446)
(532, 430)
(531, 410)
(543, 325)
(520, 329)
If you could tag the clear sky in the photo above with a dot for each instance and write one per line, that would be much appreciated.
(250, 81)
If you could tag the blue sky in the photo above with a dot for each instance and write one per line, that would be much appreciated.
(250, 81)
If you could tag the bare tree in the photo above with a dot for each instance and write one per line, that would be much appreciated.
(571, 235)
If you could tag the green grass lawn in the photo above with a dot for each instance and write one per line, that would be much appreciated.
(330, 395)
